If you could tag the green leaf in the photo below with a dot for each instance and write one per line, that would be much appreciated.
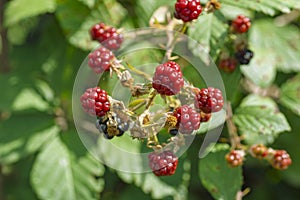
(18, 10)
(266, 6)
(209, 31)
(259, 120)
(23, 134)
(222, 181)
(74, 176)
(290, 94)
(274, 48)
(76, 19)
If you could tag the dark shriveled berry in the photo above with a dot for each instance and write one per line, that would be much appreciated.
(163, 164)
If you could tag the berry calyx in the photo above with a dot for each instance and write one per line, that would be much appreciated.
(187, 10)
(209, 100)
(106, 35)
(228, 64)
(281, 160)
(100, 60)
(235, 158)
(188, 119)
(259, 151)
(204, 117)
(244, 56)
(163, 164)
(167, 79)
(241, 24)
(95, 102)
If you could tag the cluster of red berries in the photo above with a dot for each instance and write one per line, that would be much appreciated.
(168, 80)
(243, 56)
(100, 60)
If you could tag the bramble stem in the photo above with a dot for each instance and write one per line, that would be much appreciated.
(232, 130)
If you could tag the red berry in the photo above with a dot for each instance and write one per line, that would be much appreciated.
(241, 24)
(95, 101)
(188, 119)
(281, 160)
(228, 64)
(205, 117)
(259, 151)
(187, 10)
(163, 164)
(106, 35)
(209, 100)
(100, 60)
(235, 158)
(167, 79)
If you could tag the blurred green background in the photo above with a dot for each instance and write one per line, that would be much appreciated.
(42, 45)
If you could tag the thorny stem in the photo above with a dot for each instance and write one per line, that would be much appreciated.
(232, 130)
(138, 72)
(152, 96)
(172, 39)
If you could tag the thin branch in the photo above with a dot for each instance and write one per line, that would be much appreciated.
(4, 52)
(232, 130)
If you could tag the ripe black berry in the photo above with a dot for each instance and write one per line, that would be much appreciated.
(244, 56)
(95, 102)
(241, 24)
(187, 10)
(106, 35)
(209, 100)
(163, 164)
(188, 119)
(100, 60)
(167, 79)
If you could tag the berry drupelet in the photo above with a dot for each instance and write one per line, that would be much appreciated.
(168, 79)
(95, 101)
(106, 35)
(163, 164)
(100, 60)
(187, 10)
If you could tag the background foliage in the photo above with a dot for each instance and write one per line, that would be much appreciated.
(43, 43)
